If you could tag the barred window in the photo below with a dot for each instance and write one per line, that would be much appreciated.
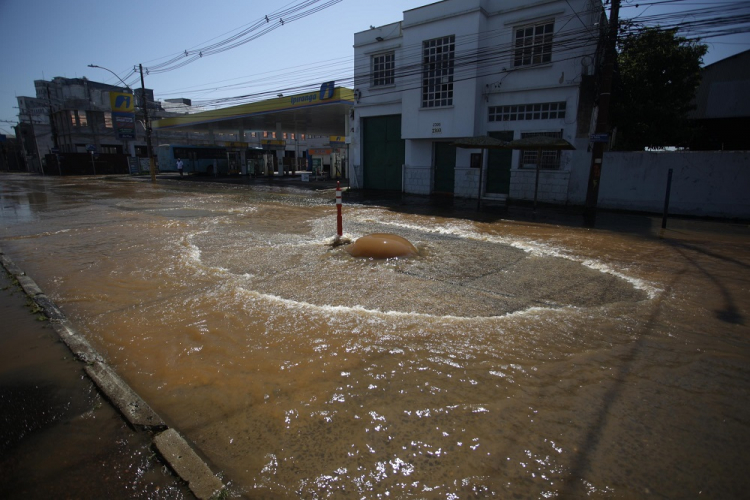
(541, 111)
(549, 159)
(437, 71)
(82, 118)
(533, 44)
(383, 68)
(107, 119)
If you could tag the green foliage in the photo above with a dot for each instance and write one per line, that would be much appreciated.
(658, 75)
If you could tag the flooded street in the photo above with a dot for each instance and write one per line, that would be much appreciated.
(509, 358)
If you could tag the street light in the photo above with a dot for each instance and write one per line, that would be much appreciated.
(105, 69)
(149, 149)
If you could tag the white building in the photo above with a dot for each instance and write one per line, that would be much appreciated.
(461, 68)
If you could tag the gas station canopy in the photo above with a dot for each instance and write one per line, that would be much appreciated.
(322, 112)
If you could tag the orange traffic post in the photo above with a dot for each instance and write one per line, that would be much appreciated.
(339, 222)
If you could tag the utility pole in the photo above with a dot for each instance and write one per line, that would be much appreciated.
(149, 151)
(602, 122)
(52, 118)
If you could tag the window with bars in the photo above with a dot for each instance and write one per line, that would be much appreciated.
(549, 159)
(533, 44)
(383, 69)
(82, 118)
(107, 119)
(540, 111)
(437, 71)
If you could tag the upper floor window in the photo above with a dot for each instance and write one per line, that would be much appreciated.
(533, 44)
(78, 118)
(542, 111)
(437, 71)
(107, 119)
(383, 68)
(548, 159)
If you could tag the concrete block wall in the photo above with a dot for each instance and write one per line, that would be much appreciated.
(466, 182)
(417, 180)
(553, 185)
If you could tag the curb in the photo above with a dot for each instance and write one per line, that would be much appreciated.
(173, 448)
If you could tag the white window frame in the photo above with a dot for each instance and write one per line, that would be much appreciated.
(550, 159)
(383, 68)
(534, 111)
(438, 56)
(532, 43)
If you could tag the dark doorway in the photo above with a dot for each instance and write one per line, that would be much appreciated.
(499, 162)
(445, 168)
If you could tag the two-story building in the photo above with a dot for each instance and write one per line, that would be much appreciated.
(508, 69)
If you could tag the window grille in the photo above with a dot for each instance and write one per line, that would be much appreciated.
(383, 68)
(540, 111)
(549, 159)
(533, 44)
(437, 71)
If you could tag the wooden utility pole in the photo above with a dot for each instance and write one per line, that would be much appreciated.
(149, 150)
(602, 122)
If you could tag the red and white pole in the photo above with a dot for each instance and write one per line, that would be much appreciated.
(339, 222)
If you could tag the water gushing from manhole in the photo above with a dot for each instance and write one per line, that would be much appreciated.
(382, 246)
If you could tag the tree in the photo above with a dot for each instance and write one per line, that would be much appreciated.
(655, 89)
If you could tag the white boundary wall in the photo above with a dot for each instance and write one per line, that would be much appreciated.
(704, 183)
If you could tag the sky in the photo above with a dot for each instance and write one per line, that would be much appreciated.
(43, 39)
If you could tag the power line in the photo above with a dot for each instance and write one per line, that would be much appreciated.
(720, 19)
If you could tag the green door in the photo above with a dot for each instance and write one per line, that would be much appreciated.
(498, 165)
(445, 167)
(383, 152)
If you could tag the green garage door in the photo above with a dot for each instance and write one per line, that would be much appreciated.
(383, 152)
(498, 165)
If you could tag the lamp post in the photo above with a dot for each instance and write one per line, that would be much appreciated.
(105, 69)
(144, 105)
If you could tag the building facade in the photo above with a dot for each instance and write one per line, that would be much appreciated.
(722, 109)
(75, 115)
(508, 69)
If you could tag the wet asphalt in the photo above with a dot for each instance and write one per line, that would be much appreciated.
(59, 438)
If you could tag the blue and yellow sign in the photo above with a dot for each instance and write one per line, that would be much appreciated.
(121, 102)
(337, 141)
(123, 117)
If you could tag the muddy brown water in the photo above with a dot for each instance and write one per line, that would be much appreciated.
(510, 358)
(58, 437)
